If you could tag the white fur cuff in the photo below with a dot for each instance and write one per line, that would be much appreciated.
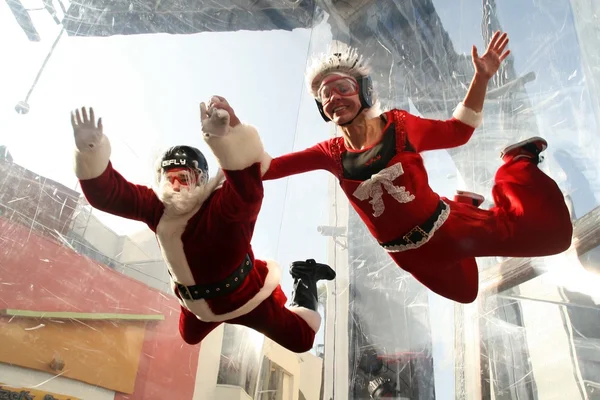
(468, 116)
(238, 149)
(312, 318)
(90, 164)
(265, 163)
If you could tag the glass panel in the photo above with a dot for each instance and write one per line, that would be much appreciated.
(240, 357)
(87, 305)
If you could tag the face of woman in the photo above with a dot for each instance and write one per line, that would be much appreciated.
(339, 96)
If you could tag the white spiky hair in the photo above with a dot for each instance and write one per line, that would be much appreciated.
(340, 58)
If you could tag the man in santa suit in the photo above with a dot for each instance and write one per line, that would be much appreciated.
(204, 228)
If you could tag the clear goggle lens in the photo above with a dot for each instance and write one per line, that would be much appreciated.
(343, 86)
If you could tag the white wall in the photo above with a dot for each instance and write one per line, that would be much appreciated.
(209, 361)
(288, 361)
(141, 246)
(28, 378)
(144, 260)
(549, 337)
(97, 234)
(304, 369)
(140, 251)
(229, 392)
(338, 303)
(310, 375)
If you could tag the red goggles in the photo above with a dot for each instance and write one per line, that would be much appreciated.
(185, 177)
(342, 85)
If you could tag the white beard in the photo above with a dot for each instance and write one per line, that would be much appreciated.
(185, 201)
(182, 202)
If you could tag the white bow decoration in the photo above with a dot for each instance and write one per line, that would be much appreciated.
(373, 188)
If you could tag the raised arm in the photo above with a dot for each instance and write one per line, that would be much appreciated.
(241, 156)
(486, 67)
(430, 134)
(314, 158)
(103, 187)
(425, 134)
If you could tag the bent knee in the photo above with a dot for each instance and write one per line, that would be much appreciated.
(560, 236)
(191, 338)
(563, 238)
(300, 343)
(191, 329)
(467, 296)
(300, 347)
(467, 299)
(191, 341)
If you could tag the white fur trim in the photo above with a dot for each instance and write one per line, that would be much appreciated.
(265, 163)
(468, 115)
(238, 149)
(218, 179)
(168, 233)
(194, 201)
(312, 318)
(204, 313)
(90, 164)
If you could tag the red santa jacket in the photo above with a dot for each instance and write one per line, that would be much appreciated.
(207, 244)
(387, 183)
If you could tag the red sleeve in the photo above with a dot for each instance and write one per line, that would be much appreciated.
(312, 159)
(428, 134)
(241, 196)
(112, 193)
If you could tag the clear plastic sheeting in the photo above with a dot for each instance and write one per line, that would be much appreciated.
(86, 307)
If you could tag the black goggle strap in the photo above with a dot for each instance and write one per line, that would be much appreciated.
(365, 90)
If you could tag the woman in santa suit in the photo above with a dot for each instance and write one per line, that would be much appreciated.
(379, 166)
(204, 228)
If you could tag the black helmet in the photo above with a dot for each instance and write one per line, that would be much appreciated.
(184, 157)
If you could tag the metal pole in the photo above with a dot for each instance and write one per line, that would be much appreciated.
(22, 107)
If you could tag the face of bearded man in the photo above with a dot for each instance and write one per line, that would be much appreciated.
(181, 191)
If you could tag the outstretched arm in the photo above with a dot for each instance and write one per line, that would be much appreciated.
(242, 147)
(314, 158)
(241, 156)
(425, 134)
(430, 134)
(103, 187)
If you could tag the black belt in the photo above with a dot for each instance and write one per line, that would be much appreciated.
(420, 232)
(223, 288)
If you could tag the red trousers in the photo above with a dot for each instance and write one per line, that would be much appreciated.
(530, 219)
(271, 318)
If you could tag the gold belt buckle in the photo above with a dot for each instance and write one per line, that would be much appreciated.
(415, 229)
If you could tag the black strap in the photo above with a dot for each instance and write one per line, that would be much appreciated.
(408, 146)
(223, 288)
(419, 232)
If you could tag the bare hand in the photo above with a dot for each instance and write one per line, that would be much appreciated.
(489, 63)
(87, 132)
